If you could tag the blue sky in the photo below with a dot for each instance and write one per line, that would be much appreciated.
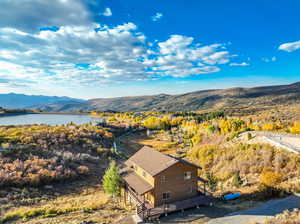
(94, 48)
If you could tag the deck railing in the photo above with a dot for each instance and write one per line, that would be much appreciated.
(138, 200)
(145, 213)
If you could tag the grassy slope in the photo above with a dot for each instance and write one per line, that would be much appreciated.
(57, 200)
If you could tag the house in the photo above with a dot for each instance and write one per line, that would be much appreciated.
(153, 179)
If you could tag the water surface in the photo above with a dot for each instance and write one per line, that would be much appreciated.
(50, 119)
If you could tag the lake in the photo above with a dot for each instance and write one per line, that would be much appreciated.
(50, 119)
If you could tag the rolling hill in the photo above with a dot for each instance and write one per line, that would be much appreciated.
(206, 99)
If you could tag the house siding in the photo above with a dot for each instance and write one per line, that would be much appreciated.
(139, 171)
(175, 183)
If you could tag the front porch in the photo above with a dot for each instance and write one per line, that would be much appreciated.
(130, 196)
(146, 211)
(155, 213)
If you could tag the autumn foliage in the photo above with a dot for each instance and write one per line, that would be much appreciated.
(269, 178)
(39, 154)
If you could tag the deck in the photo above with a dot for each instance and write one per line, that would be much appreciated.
(156, 212)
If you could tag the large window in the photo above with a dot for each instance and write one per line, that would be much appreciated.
(187, 175)
(166, 195)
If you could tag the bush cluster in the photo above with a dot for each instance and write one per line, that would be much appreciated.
(39, 154)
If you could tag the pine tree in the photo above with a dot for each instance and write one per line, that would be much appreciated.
(112, 180)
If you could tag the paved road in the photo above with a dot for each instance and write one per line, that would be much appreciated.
(260, 213)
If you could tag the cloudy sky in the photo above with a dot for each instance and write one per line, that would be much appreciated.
(98, 48)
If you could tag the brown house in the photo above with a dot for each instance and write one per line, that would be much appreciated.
(153, 179)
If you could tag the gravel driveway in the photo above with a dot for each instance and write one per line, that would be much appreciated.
(260, 213)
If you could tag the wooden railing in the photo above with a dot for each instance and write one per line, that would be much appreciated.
(134, 197)
(145, 213)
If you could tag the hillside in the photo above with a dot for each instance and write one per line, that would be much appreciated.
(13, 100)
(206, 99)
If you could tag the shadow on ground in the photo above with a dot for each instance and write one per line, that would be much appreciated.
(201, 215)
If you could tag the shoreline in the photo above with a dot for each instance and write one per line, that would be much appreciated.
(15, 114)
(63, 113)
(54, 113)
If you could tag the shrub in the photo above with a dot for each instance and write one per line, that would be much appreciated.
(39, 154)
(83, 170)
(212, 181)
(269, 178)
(237, 181)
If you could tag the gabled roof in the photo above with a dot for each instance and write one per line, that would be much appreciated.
(152, 161)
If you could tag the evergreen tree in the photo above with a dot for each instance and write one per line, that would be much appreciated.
(112, 180)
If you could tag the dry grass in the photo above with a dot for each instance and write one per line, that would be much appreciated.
(287, 217)
(83, 205)
(161, 145)
(249, 161)
(39, 154)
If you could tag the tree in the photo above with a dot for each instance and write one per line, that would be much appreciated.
(269, 178)
(212, 181)
(295, 129)
(249, 136)
(237, 181)
(112, 180)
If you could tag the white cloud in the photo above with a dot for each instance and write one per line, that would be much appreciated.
(239, 64)
(80, 56)
(157, 16)
(107, 12)
(30, 15)
(272, 59)
(290, 47)
(111, 53)
(179, 56)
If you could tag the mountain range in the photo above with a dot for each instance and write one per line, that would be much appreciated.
(205, 99)
(13, 100)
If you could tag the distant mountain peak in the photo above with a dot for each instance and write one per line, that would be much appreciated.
(16, 100)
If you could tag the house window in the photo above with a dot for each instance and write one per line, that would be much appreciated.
(187, 175)
(163, 179)
(166, 195)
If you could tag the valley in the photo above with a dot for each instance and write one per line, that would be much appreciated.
(56, 171)
(140, 112)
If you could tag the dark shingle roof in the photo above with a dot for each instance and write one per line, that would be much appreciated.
(152, 161)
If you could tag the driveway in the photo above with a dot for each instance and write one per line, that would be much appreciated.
(260, 213)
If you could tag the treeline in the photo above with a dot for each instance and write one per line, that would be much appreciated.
(4, 111)
(201, 117)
